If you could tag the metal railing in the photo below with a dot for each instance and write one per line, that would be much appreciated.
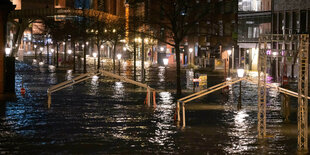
(201, 94)
(220, 86)
(87, 76)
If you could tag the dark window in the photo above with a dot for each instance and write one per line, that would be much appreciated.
(303, 21)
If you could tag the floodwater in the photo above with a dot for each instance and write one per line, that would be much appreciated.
(107, 116)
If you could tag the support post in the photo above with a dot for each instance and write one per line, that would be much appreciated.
(261, 114)
(154, 99)
(183, 112)
(49, 100)
(148, 97)
(178, 110)
(302, 115)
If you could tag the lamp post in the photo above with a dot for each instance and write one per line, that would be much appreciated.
(190, 53)
(228, 57)
(95, 56)
(119, 56)
(240, 73)
(165, 61)
(69, 53)
(52, 51)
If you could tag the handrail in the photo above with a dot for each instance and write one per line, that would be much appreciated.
(209, 90)
(220, 86)
(280, 89)
(202, 91)
(86, 76)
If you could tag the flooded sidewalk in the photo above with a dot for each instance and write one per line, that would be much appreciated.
(107, 116)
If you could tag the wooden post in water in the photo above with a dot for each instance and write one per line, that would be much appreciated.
(183, 111)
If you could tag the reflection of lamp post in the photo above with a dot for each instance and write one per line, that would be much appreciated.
(240, 73)
(35, 51)
(41, 49)
(165, 61)
(52, 51)
(119, 56)
(95, 56)
(190, 53)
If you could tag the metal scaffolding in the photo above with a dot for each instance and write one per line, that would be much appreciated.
(303, 93)
(262, 68)
(291, 45)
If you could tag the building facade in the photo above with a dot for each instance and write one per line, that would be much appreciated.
(254, 19)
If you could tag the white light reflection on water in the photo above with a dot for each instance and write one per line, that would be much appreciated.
(164, 116)
(69, 75)
(240, 135)
(161, 74)
(94, 85)
(119, 90)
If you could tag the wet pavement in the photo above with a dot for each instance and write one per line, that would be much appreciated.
(107, 116)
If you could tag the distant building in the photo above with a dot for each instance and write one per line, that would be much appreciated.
(254, 19)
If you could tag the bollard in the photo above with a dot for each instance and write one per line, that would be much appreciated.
(49, 100)
(183, 111)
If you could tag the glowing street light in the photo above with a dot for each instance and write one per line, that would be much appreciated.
(41, 49)
(190, 53)
(124, 48)
(162, 49)
(69, 51)
(190, 50)
(229, 52)
(101, 46)
(119, 56)
(165, 61)
(94, 55)
(7, 51)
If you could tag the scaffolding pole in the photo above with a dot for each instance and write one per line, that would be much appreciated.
(262, 67)
(303, 93)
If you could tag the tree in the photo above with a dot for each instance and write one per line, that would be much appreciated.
(114, 33)
(171, 21)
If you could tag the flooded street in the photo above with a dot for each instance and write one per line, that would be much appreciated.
(107, 116)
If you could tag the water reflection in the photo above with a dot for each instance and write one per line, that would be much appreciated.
(241, 138)
(164, 113)
(94, 85)
(104, 114)
(161, 74)
(118, 90)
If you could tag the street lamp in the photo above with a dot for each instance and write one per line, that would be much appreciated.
(7, 51)
(162, 49)
(190, 53)
(119, 56)
(240, 73)
(228, 57)
(95, 56)
(165, 61)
